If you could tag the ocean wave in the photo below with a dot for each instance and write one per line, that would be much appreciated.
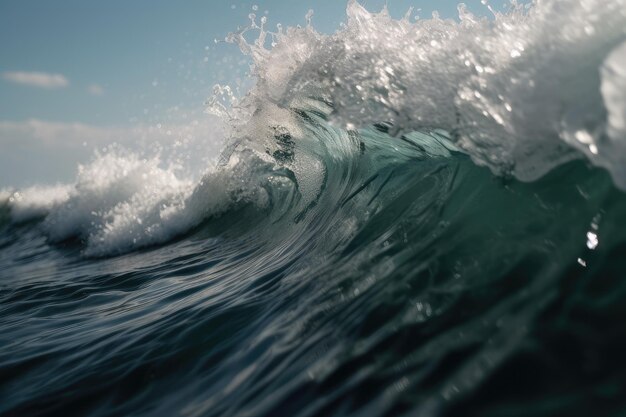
(521, 91)
(350, 253)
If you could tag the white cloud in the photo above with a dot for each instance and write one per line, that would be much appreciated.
(36, 79)
(95, 89)
(40, 133)
(37, 151)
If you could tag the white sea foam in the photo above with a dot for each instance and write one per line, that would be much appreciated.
(121, 201)
(614, 95)
(522, 91)
(34, 202)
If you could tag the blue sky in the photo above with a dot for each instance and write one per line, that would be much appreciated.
(121, 63)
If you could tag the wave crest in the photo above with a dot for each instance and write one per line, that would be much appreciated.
(521, 92)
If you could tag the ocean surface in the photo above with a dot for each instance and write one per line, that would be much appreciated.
(409, 217)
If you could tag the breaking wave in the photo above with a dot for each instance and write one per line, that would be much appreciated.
(408, 217)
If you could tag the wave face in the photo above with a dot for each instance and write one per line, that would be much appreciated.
(408, 218)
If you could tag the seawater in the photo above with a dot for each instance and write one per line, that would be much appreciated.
(409, 217)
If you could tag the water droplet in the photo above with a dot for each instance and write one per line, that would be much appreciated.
(583, 137)
(592, 240)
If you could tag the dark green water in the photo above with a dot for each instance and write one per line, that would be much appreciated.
(405, 281)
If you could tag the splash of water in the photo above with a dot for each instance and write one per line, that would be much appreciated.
(522, 91)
